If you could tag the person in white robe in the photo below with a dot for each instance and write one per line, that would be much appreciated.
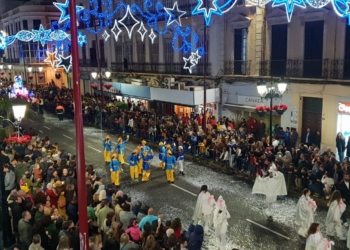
(305, 212)
(315, 240)
(333, 221)
(272, 186)
(204, 208)
(221, 215)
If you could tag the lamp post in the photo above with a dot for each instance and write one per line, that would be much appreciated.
(270, 93)
(94, 76)
(19, 107)
(30, 69)
(108, 74)
(79, 132)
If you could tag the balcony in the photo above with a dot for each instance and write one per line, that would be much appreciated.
(236, 67)
(160, 68)
(91, 63)
(10, 60)
(295, 68)
(340, 69)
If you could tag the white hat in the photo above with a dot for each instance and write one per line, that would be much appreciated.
(169, 232)
(180, 147)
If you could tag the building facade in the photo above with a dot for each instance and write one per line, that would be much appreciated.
(245, 44)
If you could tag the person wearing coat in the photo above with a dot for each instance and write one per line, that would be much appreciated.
(348, 147)
(196, 240)
(305, 212)
(340, 143)
(335, 211)
(315, 240)
(107, 148)
(126, 215)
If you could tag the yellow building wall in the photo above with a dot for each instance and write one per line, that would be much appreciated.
(331, 95)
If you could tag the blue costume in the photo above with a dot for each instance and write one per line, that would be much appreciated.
(115, 167)
(107, 148)
(162, 152)
(133, 161)
(146, 173)
(170, 162)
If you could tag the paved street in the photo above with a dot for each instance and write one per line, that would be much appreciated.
(178, 200)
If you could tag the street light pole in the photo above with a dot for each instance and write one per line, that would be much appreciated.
(205, 74)
(79, 133)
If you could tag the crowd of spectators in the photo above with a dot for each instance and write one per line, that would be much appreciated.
(42, 200)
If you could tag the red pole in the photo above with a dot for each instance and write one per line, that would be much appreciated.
(79, 133)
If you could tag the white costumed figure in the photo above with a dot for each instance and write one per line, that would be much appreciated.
(315, 240)
(333, 221)
(204, 208)
(180, 160)
(271, 186)
(305, 212)
(221, 215)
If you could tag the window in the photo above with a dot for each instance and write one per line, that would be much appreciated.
(36, 24)
(279, 40)
(154, 52)
(12, 29)
(19, 26)
(346, 70)
(240, 51)
(313, 49)
(102, 51)
(83, 49)
(128, 51)
(25, 24)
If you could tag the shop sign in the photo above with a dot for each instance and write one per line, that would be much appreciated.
(344, 107)
(250, 100)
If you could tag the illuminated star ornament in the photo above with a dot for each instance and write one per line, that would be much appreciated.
(52, 58)
(189, 64)
(81, 39)
(174, 14)
(142, 31)
(342, 8)
(289, 4)
(105, 35)
(2, 42)
(128, 15)
(208, 12)
(41, 35)
(195, 57)
(116, 30)
(65, 62)
(152, 36)
(63, 7)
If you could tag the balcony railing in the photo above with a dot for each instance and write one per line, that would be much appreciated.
(11, 60)
(295, 68)
(236, 67)
(340, 69)
(160, 68)
(92, 63)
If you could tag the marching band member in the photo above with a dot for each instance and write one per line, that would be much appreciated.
(170, 162)
(114, 168)
(146, 161)
(133, 162)
(107, 145)
(162, 155)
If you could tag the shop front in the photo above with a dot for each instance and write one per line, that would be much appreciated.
(343, 120)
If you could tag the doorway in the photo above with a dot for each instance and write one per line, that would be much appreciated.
(312, 115)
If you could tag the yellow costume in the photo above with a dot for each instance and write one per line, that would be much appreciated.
(115, 170)
(140, 162)
(170, 162)
(133, 163)
(120, 147)
(146, 165)
(107, 148)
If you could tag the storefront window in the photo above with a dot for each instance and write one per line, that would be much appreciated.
(343, 119)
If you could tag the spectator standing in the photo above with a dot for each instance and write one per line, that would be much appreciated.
(344, 189)
(36, 243)
(308, 138)
(10, 180)
(25, 230)
(148, 218)
(340, 144)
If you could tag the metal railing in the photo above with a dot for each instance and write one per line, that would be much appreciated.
(11, 60)
(295, 68)
(340, 69)
(92, 63)
(161, 68)
(237, 67)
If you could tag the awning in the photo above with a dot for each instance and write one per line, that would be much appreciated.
(238, 106)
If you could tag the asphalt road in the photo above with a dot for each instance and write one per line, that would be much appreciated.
(248, 227)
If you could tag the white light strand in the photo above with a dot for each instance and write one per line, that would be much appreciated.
(105, 35)
(129, 14)
(116, 30)
(142, 31)
(174, 14)
(152, 36)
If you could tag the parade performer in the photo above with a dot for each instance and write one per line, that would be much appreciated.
(221, 215)
(133, 161)
(271, 186)
(335, 211)
(204, 209)
(162, 155)
(180, 160)
(107, 146)
(140, 161)
(315, 240)
(120, 148)
(115, 167)
(305, 212)
(170, 162)
(146, 161)
(144, 147)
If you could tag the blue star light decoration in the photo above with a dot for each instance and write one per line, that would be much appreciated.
(207, 12)
(342, 8)
(65, 62)
(41, 35)
(3, 44)
(289, 4)
(81, 39)
(174, 14)
(63, 7)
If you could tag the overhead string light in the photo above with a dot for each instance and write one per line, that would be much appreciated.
(142, 31)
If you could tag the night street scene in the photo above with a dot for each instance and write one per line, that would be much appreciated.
(174, 125)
